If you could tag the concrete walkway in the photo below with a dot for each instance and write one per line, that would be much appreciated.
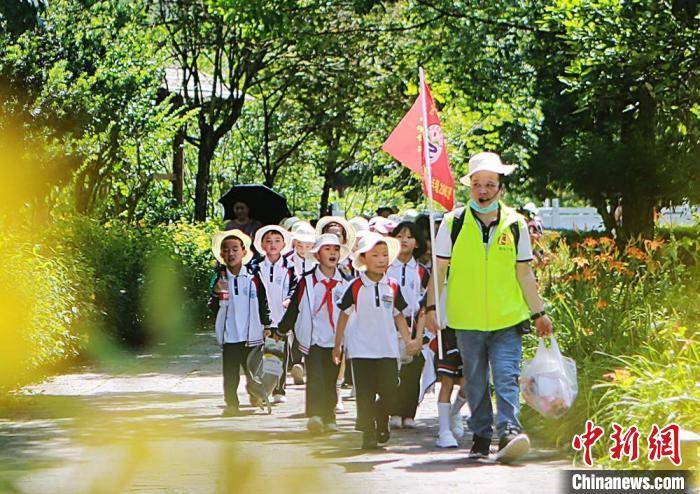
(157, 427)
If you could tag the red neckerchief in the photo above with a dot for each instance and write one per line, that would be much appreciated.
(327, 297)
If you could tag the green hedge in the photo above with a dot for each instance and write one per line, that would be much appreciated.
(81, 280)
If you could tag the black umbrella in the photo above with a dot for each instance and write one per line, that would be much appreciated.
(266, 205)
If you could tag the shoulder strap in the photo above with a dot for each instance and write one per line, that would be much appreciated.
(515, 230)
(355, 287)
(457, 222)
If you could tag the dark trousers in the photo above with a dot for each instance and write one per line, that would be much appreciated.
(234, 357)
(321, 378)
(409, 388)
(295, 355)
(376, 382)
(280, 389)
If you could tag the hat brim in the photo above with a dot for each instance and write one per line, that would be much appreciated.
(219, 238)
(257, 243)
(344, 253)
(349, 229)
(393, 245)
(499, 169)
(304, 237)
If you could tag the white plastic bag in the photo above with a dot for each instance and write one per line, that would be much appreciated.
(548, 381)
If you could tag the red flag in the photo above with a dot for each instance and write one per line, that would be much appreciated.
(405, 144)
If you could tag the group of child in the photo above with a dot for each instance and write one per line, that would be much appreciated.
(347, 292)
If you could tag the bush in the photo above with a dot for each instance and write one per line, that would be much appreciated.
(82, 280)
(630, 318)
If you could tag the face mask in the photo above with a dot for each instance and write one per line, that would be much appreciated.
(488, 209)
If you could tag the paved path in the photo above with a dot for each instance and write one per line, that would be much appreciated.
(157, 427)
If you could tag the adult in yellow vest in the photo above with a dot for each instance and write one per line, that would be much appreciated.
(491, 298)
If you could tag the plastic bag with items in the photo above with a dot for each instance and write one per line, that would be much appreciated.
(548, 381)
(265, 364)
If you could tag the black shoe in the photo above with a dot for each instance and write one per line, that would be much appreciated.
(369, 441)
(481, 447)
(383, 433)
(512, 445)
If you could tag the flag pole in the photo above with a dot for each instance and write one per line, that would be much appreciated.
(429, 187)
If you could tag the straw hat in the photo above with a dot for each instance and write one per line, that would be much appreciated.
(349, 230)
(303, 231)
(367, 242)
(218, 239)
(257, 243)
(327, 239)
(486, 162)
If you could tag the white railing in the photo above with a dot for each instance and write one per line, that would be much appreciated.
(587, 219)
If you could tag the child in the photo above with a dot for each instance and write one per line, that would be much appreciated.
(374, 303)
(345, 232)
(243, 316)
(279, 281)
(413, 281)
(314, 317)
(303, 237)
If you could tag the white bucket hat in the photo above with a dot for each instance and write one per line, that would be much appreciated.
(382, 225)
(327, 239)
(359, 223)
(257, 243)
(486, 162)
(349, 230)
(367, 242)
(303, 231)
(219, 238)
(287, 223)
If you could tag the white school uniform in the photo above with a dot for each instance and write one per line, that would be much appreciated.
(371, 307)
(278, 279)
(410, 277)
(300, 264)
(240, 319)
(314, 324)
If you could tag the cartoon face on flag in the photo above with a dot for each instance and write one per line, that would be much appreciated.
(405, 144)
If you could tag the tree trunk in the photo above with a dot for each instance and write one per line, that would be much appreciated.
(204, 157)
(178, 157)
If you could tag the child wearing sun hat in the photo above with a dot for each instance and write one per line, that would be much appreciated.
(240, 301)
(373, 303)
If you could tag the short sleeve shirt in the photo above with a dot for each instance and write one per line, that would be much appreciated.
(371, 329)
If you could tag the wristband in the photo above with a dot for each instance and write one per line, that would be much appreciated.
(537, 315)
(429, 308)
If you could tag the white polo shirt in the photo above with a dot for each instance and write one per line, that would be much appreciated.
(410, 277)
(237, 318)
(371, 329)
(275, 276)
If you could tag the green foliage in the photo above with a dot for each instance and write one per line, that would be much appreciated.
(631, 321)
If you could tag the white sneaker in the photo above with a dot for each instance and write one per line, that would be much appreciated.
(395, 422)
(446, 440)
(315, 425)
(297, 373)
(409, 423)
(457, 425)
(339, 407)
(279, 399)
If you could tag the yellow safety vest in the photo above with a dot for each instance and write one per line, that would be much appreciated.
(483, 292)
